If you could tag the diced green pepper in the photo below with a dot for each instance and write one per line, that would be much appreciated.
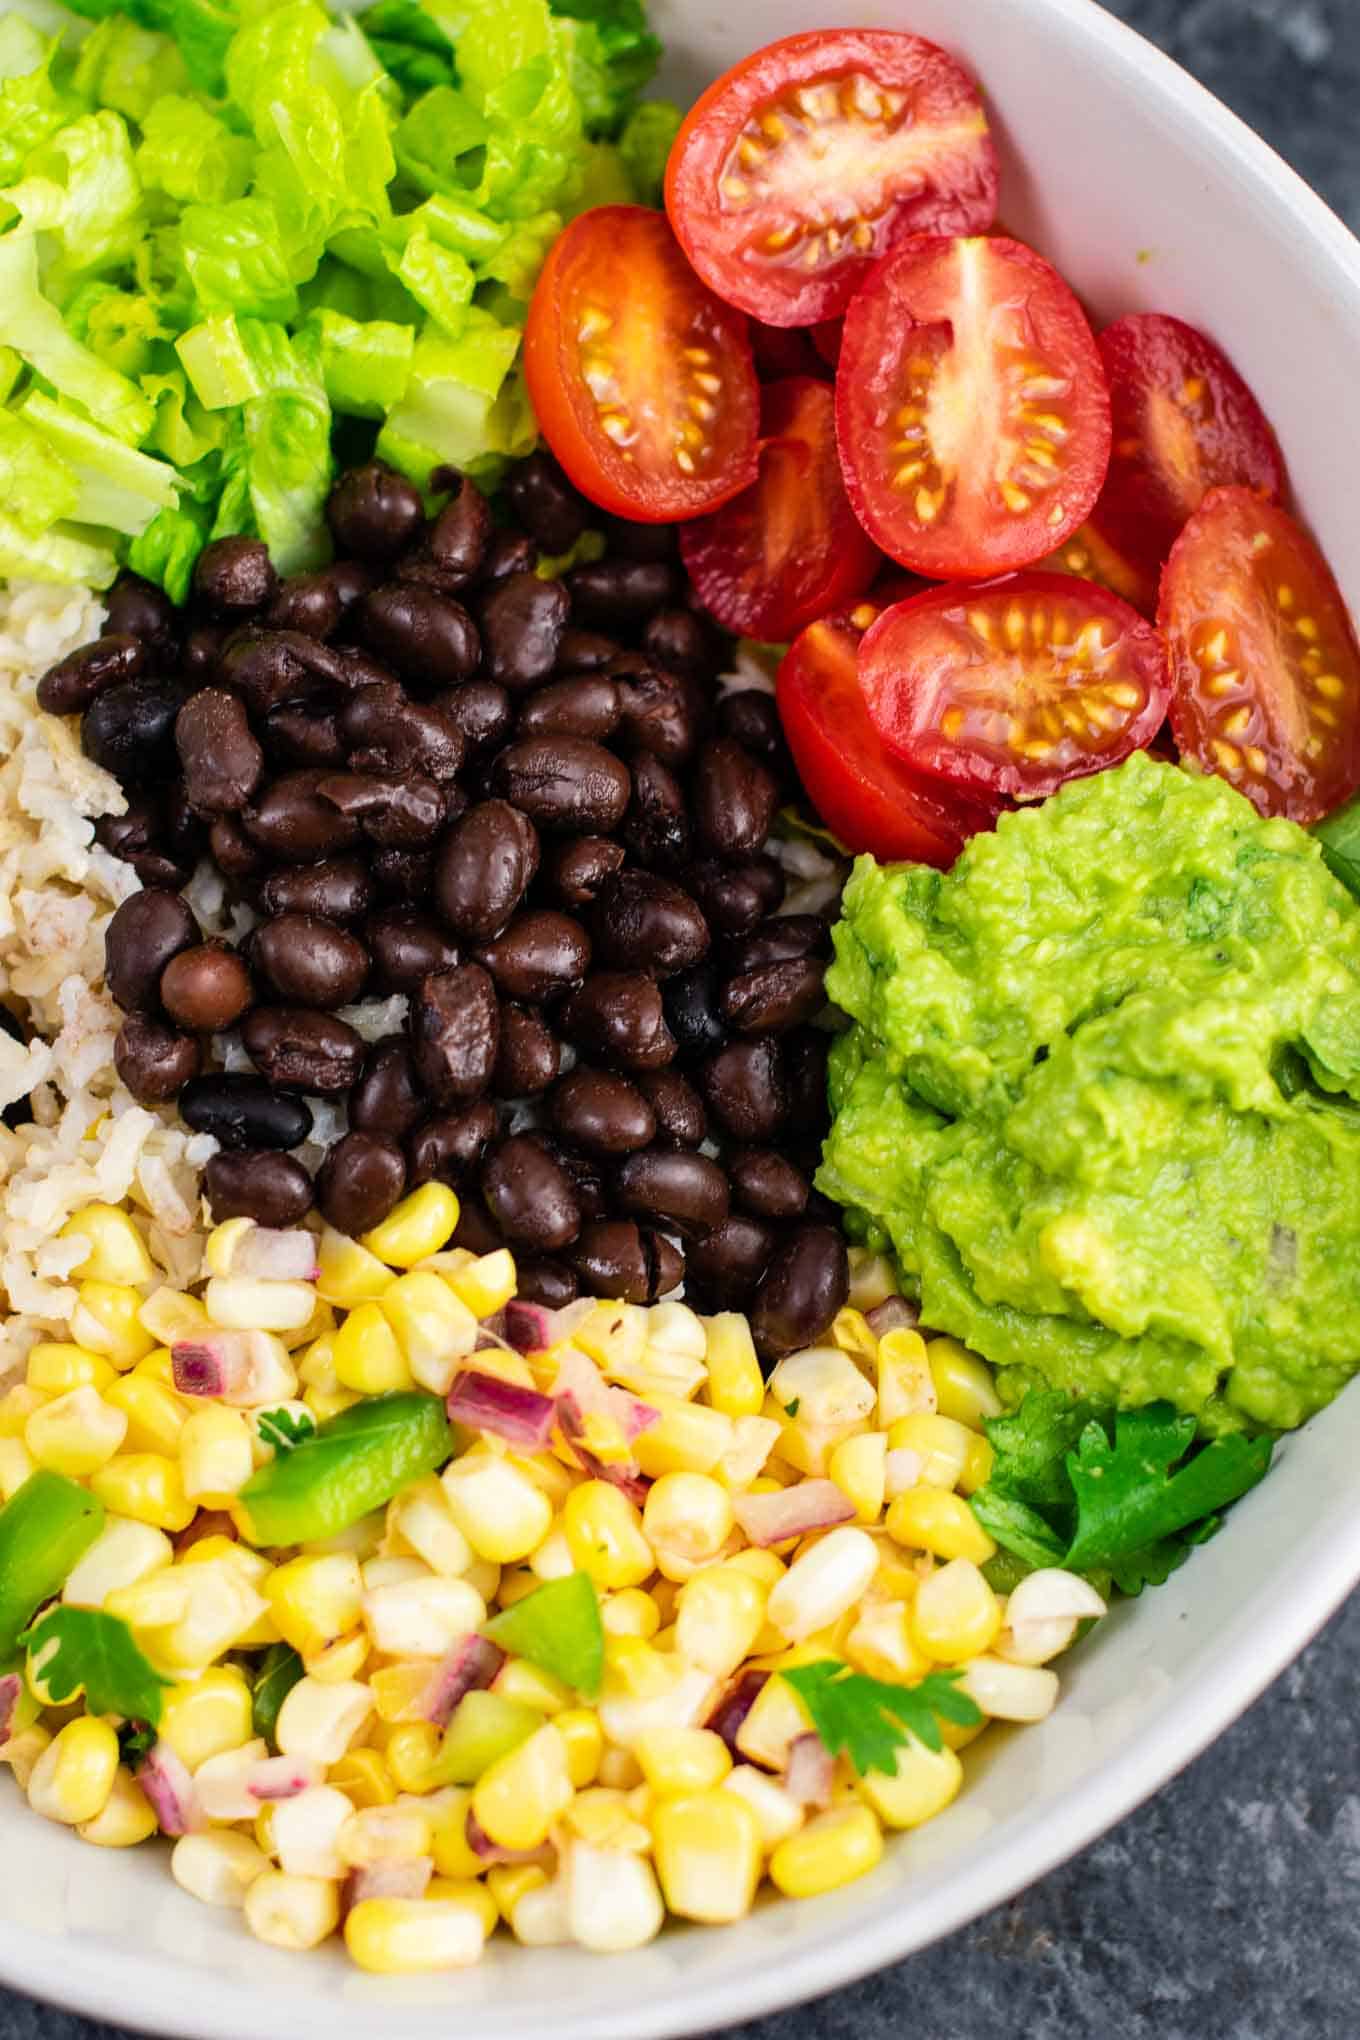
(45, 1527)
(353, 1464)
(280, 1670)
(558, 1628)
(485, 1726)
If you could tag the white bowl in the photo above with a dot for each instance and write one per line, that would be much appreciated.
(1147, 194)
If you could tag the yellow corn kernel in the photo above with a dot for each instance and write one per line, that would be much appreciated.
(690, 1438)
(940, 1443)
(719, 1614)
(470, 1892)
(859, 1468)
(502, 1513)
(507, 1883)
(687, 1519)
(905, 1382)
(117, 1252)
(416, 1228)
(708, 1855)
(292, 1912)
(517, 1799)
(421, 1520)
(964, 1387)
(216, 1453)
(448, 1813)
(75, 1434)
(339, 1661)
(880, 1643)
(156, 1416)
(931, 1519)
(486, 1283)
(223, 1242)
(630, 1613)
(851, 1331)
(18, 1404)
(368, 1356)
(347, 1274)
(386, 1834)
(55, 1369)
(873, 1279)
(604, 1533)
(682, 1760)
(955, 1614)
(615, 1335)
(519, 1680)
(579, 1728)
(168, 1314)
(146, 1486)
(248, 1303)
(74, 1776)
(409, 1936)
(16, 1464)
(433, 1327)
(412, 1755)
(106, 1320)
(220, 1608)
(977, 1467)
(323, 1404)
(825, 1580)
(777, 1815)
(766, 1567)
(925, 1782)
(603, 1817)
(205, 1717)
(126, 1817)
(775, 1719)
(25, 1747)
(735, 1383)
(122, 1552)
(831, 1850)
(314, 1600)
(364, 1779)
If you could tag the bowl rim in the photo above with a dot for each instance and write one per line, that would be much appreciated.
(134, 1990)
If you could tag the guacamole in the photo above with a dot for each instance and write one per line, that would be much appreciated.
(1102, 1096)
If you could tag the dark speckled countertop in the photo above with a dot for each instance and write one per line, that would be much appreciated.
(1229, 1907)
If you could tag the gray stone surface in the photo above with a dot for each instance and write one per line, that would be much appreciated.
(1228, 1908)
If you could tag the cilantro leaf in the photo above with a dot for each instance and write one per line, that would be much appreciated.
(1033, 1442)
(280, 1670)
(557, 1628)
(84, 1647)
(283, 1429)
(871, 1720)
(1127, 1495)
(1018, 1527)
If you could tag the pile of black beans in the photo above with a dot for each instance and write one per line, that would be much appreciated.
(431, 770)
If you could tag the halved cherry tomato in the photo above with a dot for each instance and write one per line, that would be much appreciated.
(971, 407)
(1016, 687)
(865, 796)
(1265, 668)
(811, 159)
(781, 351)
(827, 338)
(787, 550)
(1184, 422)
(1090, 558)
(642, 379)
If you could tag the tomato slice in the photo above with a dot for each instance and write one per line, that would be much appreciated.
(782, 351)
(971, 407)
(827, 338)
(811, 159)
(865, 795)
(641, 378)
(1265, 668)
(1091, 558)
(1014, 688)
(1184, 422)
(787, 550)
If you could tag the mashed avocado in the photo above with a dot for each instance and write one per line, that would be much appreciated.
(1103, 1096)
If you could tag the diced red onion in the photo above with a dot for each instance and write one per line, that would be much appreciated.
(894, 1314)
(733, 1708)
(406, 1879)
(167, 1784)
(483, 1402)
(792, 1512)
(473, 1662)
(10, 1687)
(902, 1470)
(282, 1778)
(809, 1771)
(276, 1256)
(624, 1474)
(528, 1327)
(579, 1378)
(213, 1365)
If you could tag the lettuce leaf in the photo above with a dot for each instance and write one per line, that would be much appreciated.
(31, 105)
(36, 486)
(191, 155)
(365, 364)
(33, 327)
(202, 30)
(166, 551)
(288, 463)
(456, 409)
(117, 486)
(127, 68)
(232, 253)
(81, 186)
(645, 144)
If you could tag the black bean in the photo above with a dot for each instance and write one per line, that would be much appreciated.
(386, 732)
(455, 1029)
(274, 1190)
(362, 1177)
(137, 608)
(232, 851)
(130, 730)
(615, 592)
(74, 682)
(586, 1173)
(574, 871)
(529, 1056)
(400, 813)
(136, 836)
(293, 820)
(428, 638)
(563, 783)
(233, 576)
(241, 1112)
(640, 541)
(618, 1016)
(375, 512)
(449, 1146)
(483, 869)
(675, 1188)
(145, 932)
(339, 889)
(310, 961)
(522, 618)
(611, 1259)
(735, 799)
(206, 989)
(310, 603)
(530, 1197)
(297, 1049)
(692, 1013)
(186, 833)
(549, 1283)
(723, 1268)
(656, 826)
(154, 1060)
(586, 651)
(745, 1087)
(474, 1232)
(767, 1184)
(605, 1113)
(510, 552)
(296, 735)
(681, 1120)
(219, 756)
(545, 503)
(202, 650)
(387, 1098)
(736, 898)
(403, 875)
(541, 955)
(660, 711)
(406, 945)
(805, 1053)
(778, 941)
(582, 705)
(806, 1283)
(460, 533)
(684, 641)
(480, 710)
(775, 997)
(267, 670)
(750, 718)
(641, 921)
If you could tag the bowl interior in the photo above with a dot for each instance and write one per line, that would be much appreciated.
(1148, 196)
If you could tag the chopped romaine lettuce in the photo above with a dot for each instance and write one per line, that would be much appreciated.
(116, 485)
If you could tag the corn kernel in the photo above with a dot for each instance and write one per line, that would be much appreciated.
(117, 1252)
(507, 1883)
(880, 1643)
(55, 1369)
(414, 1757)
(76, 1434)
(305, 1831)
(433, 1327)
(690, 1438)
(314, 1600)
(977, 1466)
(338, 1661)
(708, 1855)
(292, 1912)
(500, 1511)
(539, 1915)
(486, 1283)
(940, 1443)
(682, 1760)
(416, 1228)
(470, 1892)
(168, 1314)
(220, 1608)
(319, 1721)
(604, 1532)
(519, 1797)
(775, 1719)
(831, 1850)
(23, 1751)
(612, 1898)
(859, 1467)
(964, 1387)
(347, 1274)
(580, 1730)
(925, 1782)
(18, 1404)
(364, 1779)
(687, 1519)
(368, 1357)
(156, 1416)
(146, 1486)
(384, 1834)
(735, 1384)
(74, 1776)
(106, 1320)
(126, 1818)
(631, 1612)
(931, 1519)
(823, 1583)
(204, 1717)
(905, 1382)
(850, 1330)
(824, 1388)
(411, 1936)
(603, 1816)
(955, 1614)
(420, 1517)
(615, 1335)
(448, 1839)
(123, 1551)
(719, 1614)
(873, 1279)
(777, 1814)
(1007, 1692)
(421, 1618)
(219, 1868)
(519, 1680)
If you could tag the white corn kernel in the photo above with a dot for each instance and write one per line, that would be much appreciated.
(777, 1814)
(320, 1721)
(305, 1830)
(824, 1583)
(674, 1328)
(123, 1551)
(219, 1869)
(422, 1618)
(613, 1900)
(1009, 1692)
(1042, 1615)
(825, 1388)
(221, 1783)
(501, 1512)
(422, 1518)
(292, 1912)
(540, 1917)
(245, 1303)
